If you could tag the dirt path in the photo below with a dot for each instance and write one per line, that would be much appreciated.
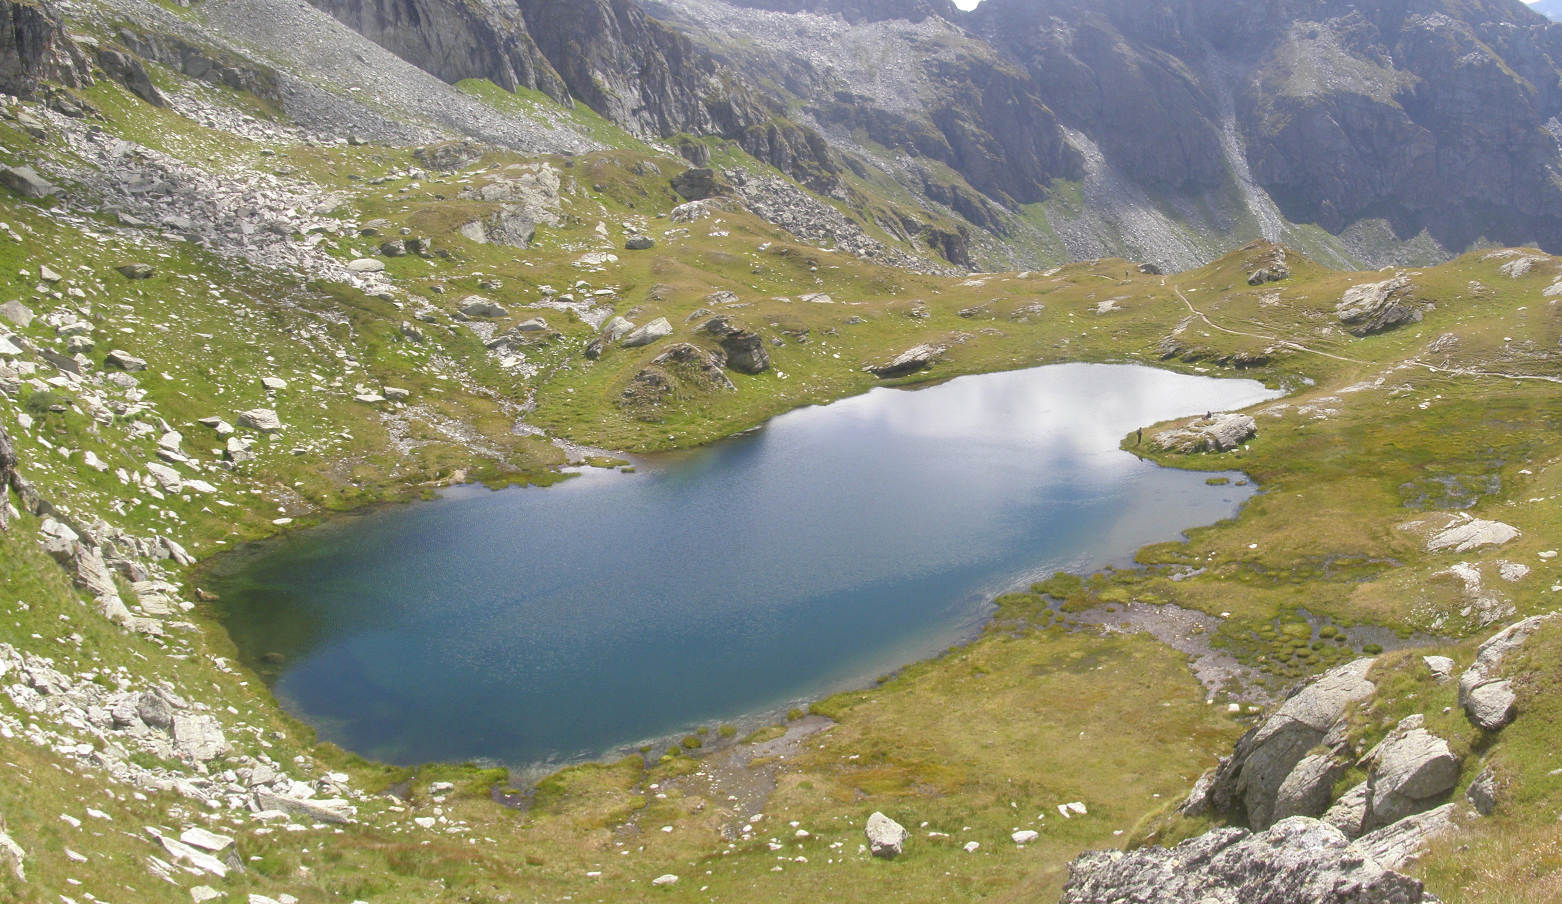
(1296, 346)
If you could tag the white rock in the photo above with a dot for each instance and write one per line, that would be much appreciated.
(885, 836)
(366, 265)
(664, 879)
(181, 852)
(206, 841)
(1470, 535)
(657, 329)
(1442, 667)
(263, 420)
(1024, 836)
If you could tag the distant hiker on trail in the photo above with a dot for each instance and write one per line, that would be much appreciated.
(1139, 437)
(1208, 415)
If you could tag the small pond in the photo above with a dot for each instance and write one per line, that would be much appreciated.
(537, 626)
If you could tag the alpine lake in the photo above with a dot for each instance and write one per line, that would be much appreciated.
(539, 626)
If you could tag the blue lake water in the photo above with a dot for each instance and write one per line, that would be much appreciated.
(538, 626)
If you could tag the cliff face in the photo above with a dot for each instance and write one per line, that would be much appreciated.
(454, 40)
(1433, 116)
(608, 54)
(34, 49)
(1198, 124)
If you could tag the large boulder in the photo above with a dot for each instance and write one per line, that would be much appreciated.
(616, 328)
(683, 369)
(908, 362)
(262, 420)
(699, 183)
(25, 181)
(659, 328)
(744, 348)
(1296, 860)
(1247, 785)
(1375, 307)
(478, 306)
(1216, 433)
(1487, 697)
(1308, 787)
(1410, 771)
(1396, 845)
(16, 312)
(886, 837)
(128, 71)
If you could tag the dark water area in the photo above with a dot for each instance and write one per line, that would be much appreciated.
(536, 626)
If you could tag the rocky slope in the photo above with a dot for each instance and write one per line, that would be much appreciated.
(1380, 125)
(1027, 133)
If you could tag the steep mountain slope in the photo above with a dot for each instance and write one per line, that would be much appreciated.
(1031, 131)
(1430, 124)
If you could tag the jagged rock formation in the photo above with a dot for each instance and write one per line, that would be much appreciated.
(1431, 120)
(454, 40)
(1297, 859)
(34, 49)
(7, 475)
(1274, 754)
(607, 53)
(683, 369)
(1374, 307)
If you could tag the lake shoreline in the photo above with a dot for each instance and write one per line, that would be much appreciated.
(982, 608)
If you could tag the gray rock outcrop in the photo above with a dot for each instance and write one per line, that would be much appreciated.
(1247, 786)
(527, 196)
(1487, 697)
(745, 350)
(8, 475)
(478, 306)
(1375, 307)
(1396, 845)
(908, 362)
(261, 420)
(11, 854)
(1407, 773)
(1482, 793)
(25, 181)
(1218, 433)
(659, 328)
(886, 837)
(1295, 860)
(124, 361)
(34, 49)
(1464, 536)
(1309, 787)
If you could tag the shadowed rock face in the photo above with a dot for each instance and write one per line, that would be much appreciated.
(1431, 122)
(7, 474)
(454, 40)
(1433, 116)
(34, 48)
(609, 54)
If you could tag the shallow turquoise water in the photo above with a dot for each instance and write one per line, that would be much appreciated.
(544, 625)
